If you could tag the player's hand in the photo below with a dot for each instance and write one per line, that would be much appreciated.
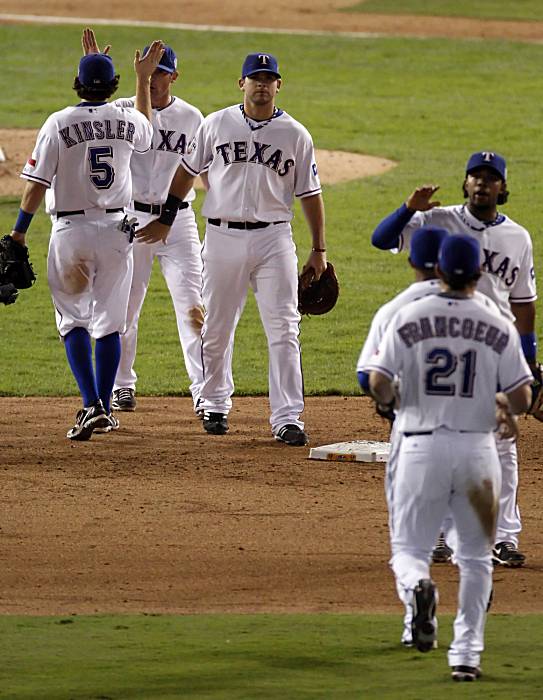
(19, 237)
(317, 262)
(421, 198)
(153, 232)
(146, 65)
(89, 43)
(505, 420)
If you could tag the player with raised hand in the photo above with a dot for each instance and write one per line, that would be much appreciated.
(507, 278)
(257, 158)
(448, 353)
(177, 248)
(82, 161)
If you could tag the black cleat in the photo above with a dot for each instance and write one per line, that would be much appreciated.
(292, 435)
(113, 424)
(87, 420)
(465, 673)
(123, 399)
(507, 554)
(442, 553)
(215, 423)
(424, 611)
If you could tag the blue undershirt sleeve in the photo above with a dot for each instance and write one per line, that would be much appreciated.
(387, 233)
(364, 381)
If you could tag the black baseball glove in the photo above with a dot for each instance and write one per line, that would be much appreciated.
(317, 296)
(536, 409)
(15, 266)
(8, 293)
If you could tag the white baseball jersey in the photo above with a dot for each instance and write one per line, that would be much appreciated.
(82, 154)
(386, 313)
(450, 354)
(506, 252)
(254, 168)
(174, 127)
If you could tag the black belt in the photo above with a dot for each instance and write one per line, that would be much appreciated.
(249, 225)
(81, 212)
(430, 432)
(155, 209)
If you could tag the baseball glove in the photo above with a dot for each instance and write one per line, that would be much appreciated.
(15, 267)
(8, 294)
(317, 296)
(536, 409)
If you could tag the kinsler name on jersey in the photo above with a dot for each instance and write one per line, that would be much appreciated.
(236, 152)
(97, 130)
(453, 327)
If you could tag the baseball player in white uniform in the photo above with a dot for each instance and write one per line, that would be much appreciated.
(449, 353)
(257, 158)
(175, 123)
(508, 279)
(82, 159)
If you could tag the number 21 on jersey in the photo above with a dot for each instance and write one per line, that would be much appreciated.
(448, 373)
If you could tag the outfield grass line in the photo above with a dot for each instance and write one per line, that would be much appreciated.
(89, 21)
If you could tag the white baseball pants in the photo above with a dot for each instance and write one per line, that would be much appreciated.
(264, 259)
(434, 473)
(181, 265)
(89, 267)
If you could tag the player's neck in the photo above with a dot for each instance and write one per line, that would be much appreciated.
(485, 214)
(258, 112)
(161, 102)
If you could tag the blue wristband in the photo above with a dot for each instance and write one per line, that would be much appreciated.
(529, 346)
(23, 221)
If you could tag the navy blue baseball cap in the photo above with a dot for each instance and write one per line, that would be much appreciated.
(168, 62)
(425, 244)
(96, 70)
(260, 63)
(487, 159)
(460, 255)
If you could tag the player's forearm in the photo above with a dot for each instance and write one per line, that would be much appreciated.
(520, 399)
(381, 388)
(313, 208)
(182, 183)
(33, 195)
(387, 234)
(143, 96)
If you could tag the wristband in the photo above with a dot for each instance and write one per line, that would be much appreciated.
(169, 210)
(318, 250)
(529, 346)
(23, 221)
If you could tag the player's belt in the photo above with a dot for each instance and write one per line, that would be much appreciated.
(249, 225)
(81, 212)
(424, 432)
(155, 209)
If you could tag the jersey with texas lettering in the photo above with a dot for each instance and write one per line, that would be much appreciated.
(386, 313)
(450, 355)
(174, 127)
(254, 168)
(83, 154)
(506, 252)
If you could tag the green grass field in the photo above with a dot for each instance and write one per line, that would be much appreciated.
(424, 103)
(245, 657)
(484, 9)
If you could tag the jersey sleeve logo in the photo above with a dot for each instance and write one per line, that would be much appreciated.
(191, 146)
(31, 162)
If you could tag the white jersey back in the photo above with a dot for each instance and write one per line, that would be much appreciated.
(83, 154)
(386, 313)
(174, 127)
(506, 252)
(450, 355)
(254, 168)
